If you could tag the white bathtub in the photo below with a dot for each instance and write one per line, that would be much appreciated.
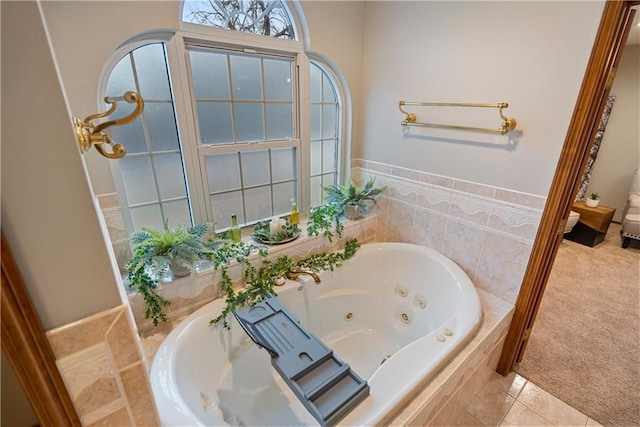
(403, 304)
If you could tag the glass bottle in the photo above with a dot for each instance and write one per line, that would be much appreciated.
(234, 232)
(294, 218)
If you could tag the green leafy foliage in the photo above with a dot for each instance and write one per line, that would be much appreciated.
(325, 218)
(262, 231)
(153, 253)
(594, 196)
(351, 194)
(259, 283)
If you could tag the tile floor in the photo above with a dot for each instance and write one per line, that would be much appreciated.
(514, 401)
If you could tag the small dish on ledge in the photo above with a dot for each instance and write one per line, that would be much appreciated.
(281, 232)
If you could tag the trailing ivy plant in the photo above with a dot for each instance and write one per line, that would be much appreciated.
(259, 281)
(324, 219)
(153, 253)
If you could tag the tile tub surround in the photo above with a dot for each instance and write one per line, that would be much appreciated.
(487, 231)
(438, 401)
(102, 364)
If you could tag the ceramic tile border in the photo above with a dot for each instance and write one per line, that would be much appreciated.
(487, 231)
(497, 193)
(96, 357)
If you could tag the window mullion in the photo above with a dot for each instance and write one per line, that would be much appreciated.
(302, 120)
(187, 129)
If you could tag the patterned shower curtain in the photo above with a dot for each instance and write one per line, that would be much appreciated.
(586, 177)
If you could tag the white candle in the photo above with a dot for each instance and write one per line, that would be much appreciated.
(274, 225)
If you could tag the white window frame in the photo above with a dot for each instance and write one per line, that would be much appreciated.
(176, 43)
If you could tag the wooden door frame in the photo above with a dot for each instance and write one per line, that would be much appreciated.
(27, 349)
(613, 31)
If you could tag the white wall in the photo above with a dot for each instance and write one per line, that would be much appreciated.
(48, 212)
(84, 34)
(619, 154)
(530, 54)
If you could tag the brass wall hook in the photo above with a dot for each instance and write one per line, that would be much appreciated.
(90, 134)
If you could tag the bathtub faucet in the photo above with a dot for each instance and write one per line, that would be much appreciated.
(294, 272)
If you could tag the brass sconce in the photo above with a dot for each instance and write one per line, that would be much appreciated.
(90, 134)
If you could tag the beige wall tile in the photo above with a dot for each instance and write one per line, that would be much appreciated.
(473, 188)
(502, 265)
(122, 342)
(91, 379)
(82, 334)
(119, 418)
(524, 199)
(463, 244)
(136, 385)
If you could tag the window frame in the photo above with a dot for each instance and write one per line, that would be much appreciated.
(176, 44)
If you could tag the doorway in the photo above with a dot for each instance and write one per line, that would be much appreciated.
(611, 36)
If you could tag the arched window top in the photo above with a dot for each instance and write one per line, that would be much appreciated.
(263, 17)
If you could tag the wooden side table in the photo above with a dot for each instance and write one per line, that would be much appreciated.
(592, 225)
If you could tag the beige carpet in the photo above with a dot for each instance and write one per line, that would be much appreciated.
(585, 344)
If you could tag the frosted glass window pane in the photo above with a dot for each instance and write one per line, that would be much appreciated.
(131, 136)
(210, 75)
(327, 90)
(170, 176)
(329, 113)
(121, 79)
(152, 72)
(282, 196)
(316, 83)
(255, 168)
(162, 128)
(328, 179)
(249, 122)
(257, 203)
(147, 217)
(177, 212)
(138, 179)
(316, 191)
(277, 80)
(246, 77)
(283, 164)
(223, 172)
(316, 157)
(316, 121)
(279, 121)
(215, 123)
(224, 205)
(329, 156)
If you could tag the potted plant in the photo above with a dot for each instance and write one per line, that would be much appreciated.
(352, 200)
(593, 200)
(176, 248)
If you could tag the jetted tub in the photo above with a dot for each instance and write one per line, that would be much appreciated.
(396, 313)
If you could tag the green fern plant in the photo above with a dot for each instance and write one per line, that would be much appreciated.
(176, 245)
(155, 251)
(350, 194)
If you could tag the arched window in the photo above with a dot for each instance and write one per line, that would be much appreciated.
(227, 127)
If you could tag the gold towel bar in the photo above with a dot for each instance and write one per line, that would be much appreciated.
(508, 123)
